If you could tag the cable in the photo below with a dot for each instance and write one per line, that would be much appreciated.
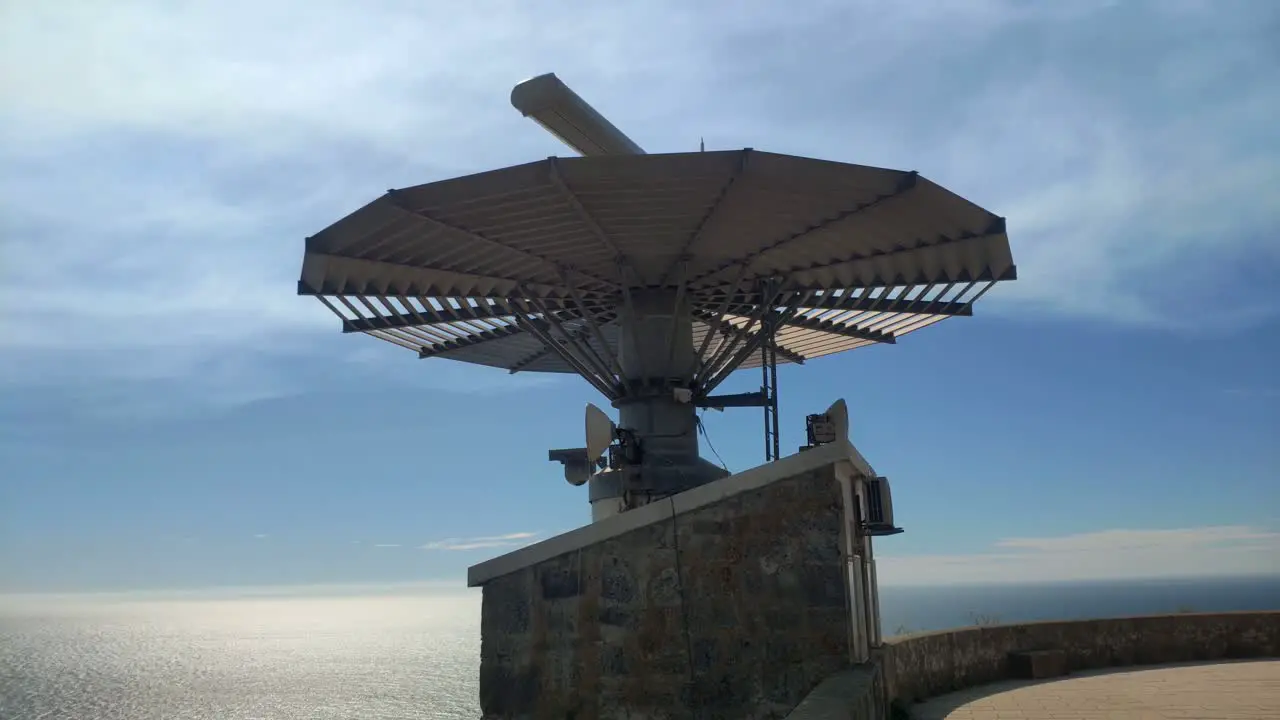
(684, 604)
(703, 429)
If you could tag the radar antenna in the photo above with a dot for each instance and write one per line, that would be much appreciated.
(654, 277)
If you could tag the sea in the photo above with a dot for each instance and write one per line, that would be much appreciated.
(398, 652)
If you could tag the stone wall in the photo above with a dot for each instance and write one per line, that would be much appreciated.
(929, 664)
(729, 600)
(914, 667)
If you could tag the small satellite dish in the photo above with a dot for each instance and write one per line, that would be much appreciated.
(600, 432)
(838, 416)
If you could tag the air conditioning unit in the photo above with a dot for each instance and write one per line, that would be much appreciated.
(878, 501)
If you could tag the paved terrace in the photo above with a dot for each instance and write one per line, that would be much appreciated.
(1213, 691)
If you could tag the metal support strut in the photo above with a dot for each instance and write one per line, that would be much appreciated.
(769, 387)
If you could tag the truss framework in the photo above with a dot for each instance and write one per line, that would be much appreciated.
(780, 260)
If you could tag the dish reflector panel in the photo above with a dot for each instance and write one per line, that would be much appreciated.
(838, 416)
(600, 431)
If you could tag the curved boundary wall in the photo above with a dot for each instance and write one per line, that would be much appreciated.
(911, 668)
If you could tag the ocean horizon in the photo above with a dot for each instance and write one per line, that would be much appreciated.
(403, 651)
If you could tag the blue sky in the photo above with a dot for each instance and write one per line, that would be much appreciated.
(172, 415)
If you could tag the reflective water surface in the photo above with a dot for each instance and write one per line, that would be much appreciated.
(241, 658)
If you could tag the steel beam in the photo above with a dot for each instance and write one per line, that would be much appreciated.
(850, 331)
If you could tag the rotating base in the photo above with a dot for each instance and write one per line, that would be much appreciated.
(615, 491)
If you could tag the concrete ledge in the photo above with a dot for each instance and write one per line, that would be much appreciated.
(912, 668)
(685, 502)
(853, 694)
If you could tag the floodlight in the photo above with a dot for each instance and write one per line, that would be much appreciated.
(577, 469)
(561, 112)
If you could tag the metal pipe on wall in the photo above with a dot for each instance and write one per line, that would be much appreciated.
(851, 548)
(873, 594)
(861, 646)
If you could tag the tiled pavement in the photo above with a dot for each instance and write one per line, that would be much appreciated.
(1244, 690)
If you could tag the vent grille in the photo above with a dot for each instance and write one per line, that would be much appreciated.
(876, 507)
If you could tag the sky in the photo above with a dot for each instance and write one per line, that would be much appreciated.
(172, 415)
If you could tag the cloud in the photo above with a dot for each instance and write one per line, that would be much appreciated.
(513, 540)
(1103, 555)
(260, 536)
(161, 162)
(387, 545)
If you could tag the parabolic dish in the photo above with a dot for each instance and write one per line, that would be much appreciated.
(507, 268)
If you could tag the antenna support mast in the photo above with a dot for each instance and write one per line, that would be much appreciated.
(655, 339)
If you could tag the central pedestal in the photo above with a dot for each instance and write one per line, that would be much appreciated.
(658, 359)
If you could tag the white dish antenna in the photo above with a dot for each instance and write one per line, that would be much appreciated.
(838, 416)
(600, 432)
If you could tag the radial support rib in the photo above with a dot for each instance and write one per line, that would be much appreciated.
(850, 331)
(523, 317)
(531, 358)
(397, 198)
(906, 185)
(581, 210)
(583, 348)
(443, 314)
(769, 294)
(721, 312)
(706, 218)
(611, 360)
(753, 343)
(729, 330)
(863, 302)
(471, 340)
